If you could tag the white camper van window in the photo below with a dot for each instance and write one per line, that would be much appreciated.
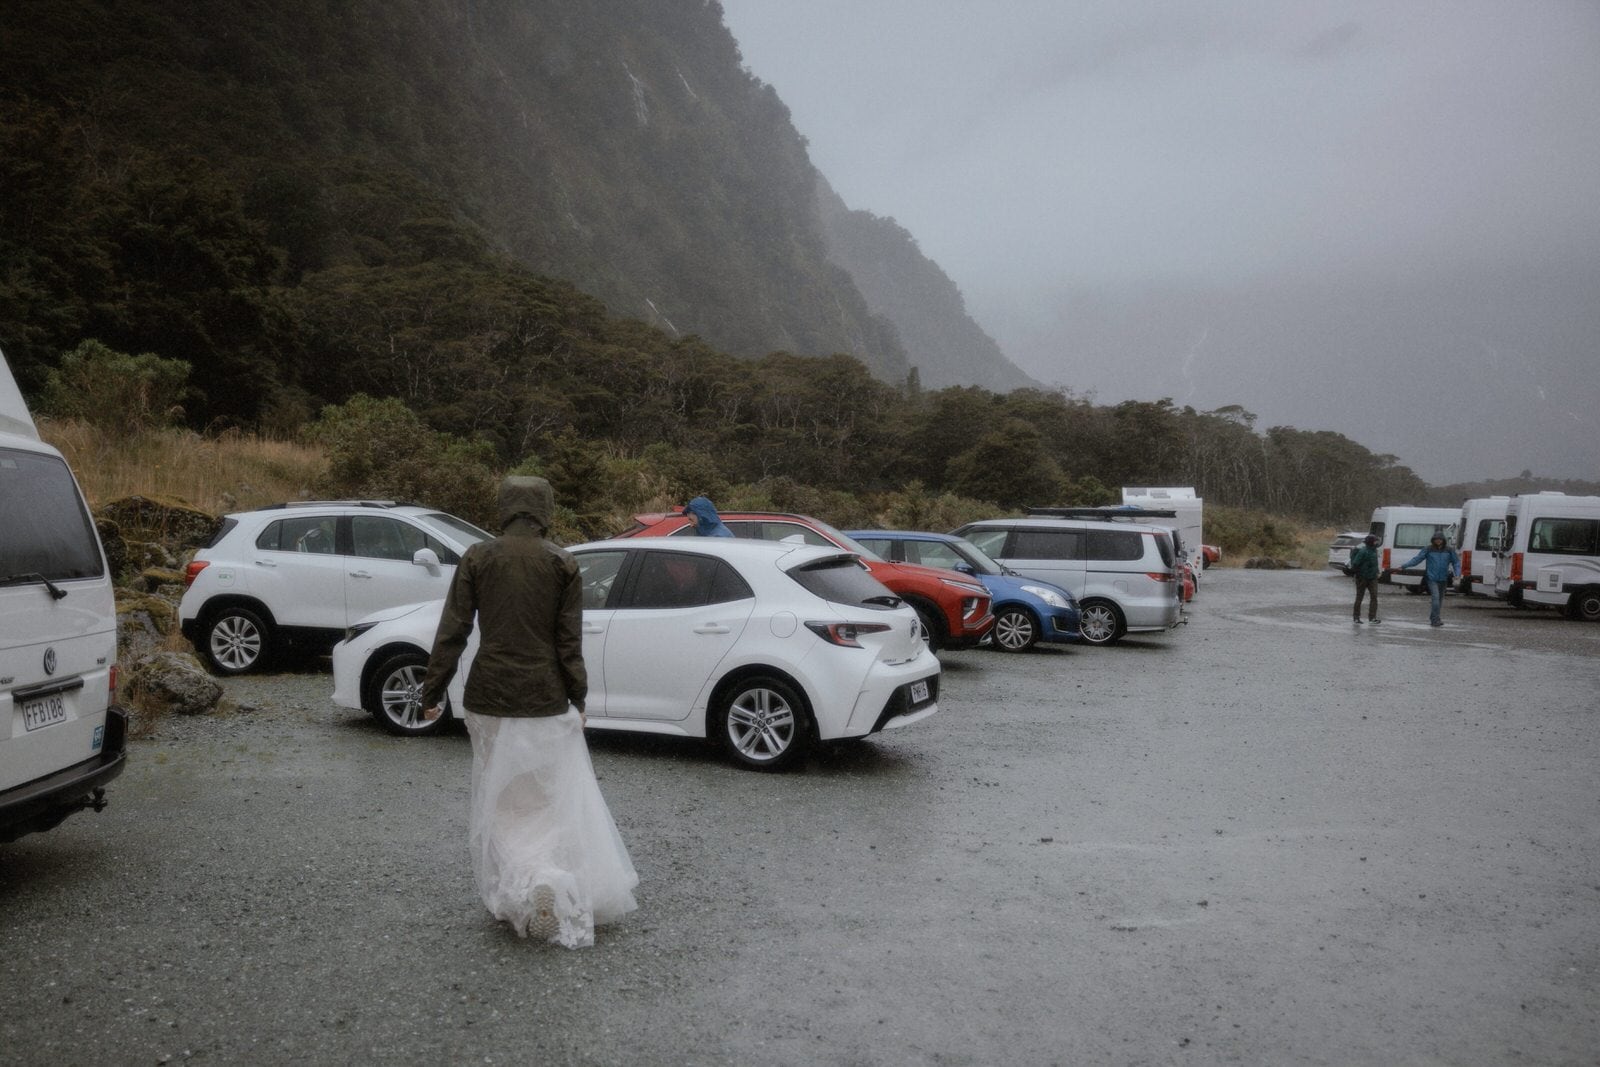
(44, 528)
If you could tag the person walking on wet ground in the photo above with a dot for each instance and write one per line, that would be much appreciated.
(1364, 567)
(546, 855)
(1441, 567)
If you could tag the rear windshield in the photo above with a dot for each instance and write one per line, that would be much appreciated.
(1164, 544)
(44, 527)
(843, 580)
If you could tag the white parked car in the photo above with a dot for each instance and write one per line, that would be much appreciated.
(301, 573)
(762, 646)
(1340, 547)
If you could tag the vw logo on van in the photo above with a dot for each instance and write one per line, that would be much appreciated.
(49, 661)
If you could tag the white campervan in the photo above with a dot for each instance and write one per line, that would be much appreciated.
(1478, 534)
(61, 733)
(1552, 553)
(1186, 508)
(1403, 531)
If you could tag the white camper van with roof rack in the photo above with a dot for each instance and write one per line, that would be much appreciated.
(1402, 532)
(61, 732)
(1551, 553)
(1478, 535)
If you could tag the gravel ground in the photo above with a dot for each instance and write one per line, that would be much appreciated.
(1269, 837)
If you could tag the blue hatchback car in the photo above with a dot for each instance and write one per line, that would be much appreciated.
(1026, 611)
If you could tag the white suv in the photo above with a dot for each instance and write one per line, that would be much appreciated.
(300, 573)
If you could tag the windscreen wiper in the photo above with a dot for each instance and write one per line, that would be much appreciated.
(56, 592)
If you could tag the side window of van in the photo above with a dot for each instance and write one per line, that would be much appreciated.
(1115, 545)
(1565, 537)
(1048, 544)
(44, 528)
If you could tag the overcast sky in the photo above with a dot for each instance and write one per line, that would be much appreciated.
(1379, 218)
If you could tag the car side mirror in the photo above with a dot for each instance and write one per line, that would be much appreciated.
(427, 557)
(966, 568)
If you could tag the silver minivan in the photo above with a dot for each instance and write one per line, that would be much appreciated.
(1123, 574)
(61, 732)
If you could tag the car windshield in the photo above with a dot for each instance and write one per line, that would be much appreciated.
(981, 561)
(456, 529)
(842, 580)
(45, 533)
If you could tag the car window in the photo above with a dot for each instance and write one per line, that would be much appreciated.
(301, 534)
(883, 546)
(1418, 534)
(380, 537)
(44, 528)
(1566, 537)
(991, 541)
(1115, 545)
(464, 531)
(598, 571)
(681, 580)
(1490, 532)
(932, 554)
(778, 531)
(1047, 544)
(842, 580)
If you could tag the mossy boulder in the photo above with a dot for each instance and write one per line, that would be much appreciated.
(168, 521)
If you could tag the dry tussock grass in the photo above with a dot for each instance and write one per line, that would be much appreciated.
(220, 473)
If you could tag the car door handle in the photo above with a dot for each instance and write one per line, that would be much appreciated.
(712, 628)
(593, 628)
(265, 563)
(360, 574)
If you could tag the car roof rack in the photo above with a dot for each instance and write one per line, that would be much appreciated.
(1111, 511)
(339, 503)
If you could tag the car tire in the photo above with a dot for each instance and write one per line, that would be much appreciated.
(932, 626)
(236, 640)
(394, 696)
(1100, 622)
(762, 723)
(1015, 630)
(1418, 589)
(1585, 604)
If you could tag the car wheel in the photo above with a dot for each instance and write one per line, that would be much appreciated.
(1585, 604)
(394, 696)
(762, 723)
(237, 640)
(932, 627)
(1418, 589)
(1015, 630)
(1100, 622)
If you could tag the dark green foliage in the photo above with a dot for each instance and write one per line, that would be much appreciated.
(121, 394)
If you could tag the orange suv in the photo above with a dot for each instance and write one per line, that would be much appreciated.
(954, 609)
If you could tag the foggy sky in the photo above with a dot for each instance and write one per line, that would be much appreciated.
(1378, 218)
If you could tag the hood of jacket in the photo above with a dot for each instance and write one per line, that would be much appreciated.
(704, 514)
(527, 497)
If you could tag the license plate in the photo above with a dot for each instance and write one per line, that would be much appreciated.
(46, 711)
(919, 692)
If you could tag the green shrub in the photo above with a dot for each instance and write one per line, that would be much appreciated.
(120, 394)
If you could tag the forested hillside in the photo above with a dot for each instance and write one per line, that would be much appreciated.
(562, 234)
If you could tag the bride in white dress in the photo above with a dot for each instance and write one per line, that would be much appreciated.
(546, 854)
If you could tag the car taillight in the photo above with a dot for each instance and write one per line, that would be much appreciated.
(111, 687)
(1466, 561)
(1386, 559)
(1516, 566)
(192, 571)
(844, 634)
(1160, 576)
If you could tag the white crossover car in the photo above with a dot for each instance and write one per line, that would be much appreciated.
(763, 647)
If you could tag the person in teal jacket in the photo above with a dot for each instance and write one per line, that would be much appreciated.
(1441, 568)
(1364, 567)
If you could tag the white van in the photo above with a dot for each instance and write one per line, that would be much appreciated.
(1478, 534)
(1186, 508)
(1403, 531)
(61, 732)
(1552, 553)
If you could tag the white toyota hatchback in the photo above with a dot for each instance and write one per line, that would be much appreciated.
(763, 647)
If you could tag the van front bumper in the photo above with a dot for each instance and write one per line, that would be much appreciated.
(43, 803)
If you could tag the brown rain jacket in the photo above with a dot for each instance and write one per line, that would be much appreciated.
(527, 597)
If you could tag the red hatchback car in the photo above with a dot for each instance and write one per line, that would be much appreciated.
(954, 610)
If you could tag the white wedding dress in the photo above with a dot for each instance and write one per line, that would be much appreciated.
(546, 854)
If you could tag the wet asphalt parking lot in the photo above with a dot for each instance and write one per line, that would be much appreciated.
(1270, 837)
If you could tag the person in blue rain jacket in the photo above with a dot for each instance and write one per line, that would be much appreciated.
(707, 523)
(1441, 568)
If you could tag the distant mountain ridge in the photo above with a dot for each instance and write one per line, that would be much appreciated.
(620, 145)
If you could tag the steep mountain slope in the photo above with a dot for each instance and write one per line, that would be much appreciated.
(620, 145)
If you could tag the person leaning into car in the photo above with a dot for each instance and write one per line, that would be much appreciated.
(1364, 566)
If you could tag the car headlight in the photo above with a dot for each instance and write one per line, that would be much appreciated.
(1049, 596)
(353, 632)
